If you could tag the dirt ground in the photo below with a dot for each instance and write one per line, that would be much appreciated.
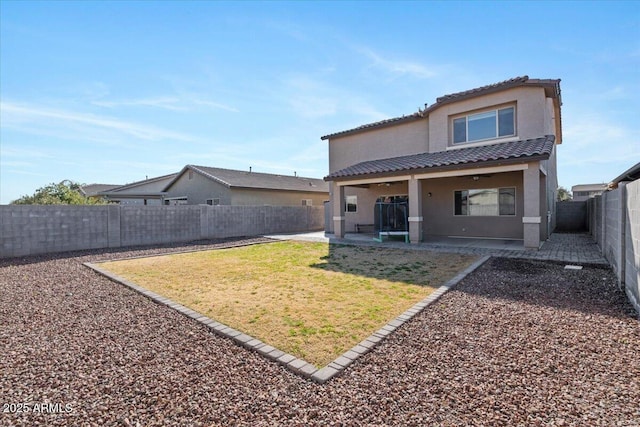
(515, 343)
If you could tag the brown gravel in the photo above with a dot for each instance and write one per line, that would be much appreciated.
(516, 343)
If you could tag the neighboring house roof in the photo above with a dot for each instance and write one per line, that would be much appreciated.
(630, 174)
(91, 190)
(248, 179)
(551, 86)
(589, 187)
(146, 188)
(144, 182)
(506, 152)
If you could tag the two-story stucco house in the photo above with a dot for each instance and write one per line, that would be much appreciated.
(479, 163)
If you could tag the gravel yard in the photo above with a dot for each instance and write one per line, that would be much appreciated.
(515, 343)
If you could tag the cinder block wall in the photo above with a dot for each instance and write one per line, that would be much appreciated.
(632, 243)
(611, 242)
(614, 220)
(571, 216)
(26, 230)
(30, 230)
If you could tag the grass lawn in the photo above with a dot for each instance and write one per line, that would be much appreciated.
(313, 300)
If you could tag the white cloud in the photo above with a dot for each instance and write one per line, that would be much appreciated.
(166, 103)
(171, 103)
(399, 67)
(314, 98)
(593, 129)
(29, 153)
(214, 105)
(42, 120)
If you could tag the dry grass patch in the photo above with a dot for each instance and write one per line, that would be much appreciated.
(313, 300)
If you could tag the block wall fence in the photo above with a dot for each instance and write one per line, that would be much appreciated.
(571, 217)
(31, 229)
(614, 223)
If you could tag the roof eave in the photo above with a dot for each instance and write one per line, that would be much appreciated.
(459, 166)
(310, 190)
(630, 174)
(375, 126)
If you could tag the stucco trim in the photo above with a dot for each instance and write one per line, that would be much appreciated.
(498, 140)
(474, 171)
(373, 180)
(531, 220)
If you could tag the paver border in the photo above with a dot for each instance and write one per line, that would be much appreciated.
(292, 363)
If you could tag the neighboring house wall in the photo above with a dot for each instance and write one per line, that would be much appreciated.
(438, 210)
(255, 197)
(33, 229)
(615, 226)
(198, 189)
(585, 191)
(398, 140)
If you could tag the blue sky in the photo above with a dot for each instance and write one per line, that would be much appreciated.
(112, 92)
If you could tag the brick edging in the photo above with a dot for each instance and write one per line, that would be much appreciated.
(294, 364)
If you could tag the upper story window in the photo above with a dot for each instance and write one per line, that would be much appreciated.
(485, 125)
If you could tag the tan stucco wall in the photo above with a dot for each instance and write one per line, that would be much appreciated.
(252, 197)
(393, 141)
(535, 117)
(531, 111)
(366, 202)
(199, 189)
(438, 210)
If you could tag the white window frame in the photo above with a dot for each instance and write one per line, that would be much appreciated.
(213, 202)
(307, 202)
(496, 110)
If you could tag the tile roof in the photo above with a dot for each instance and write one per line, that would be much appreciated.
(506, 152)
(516, 81)
(382, 123)
(551, 86)
(248, 179)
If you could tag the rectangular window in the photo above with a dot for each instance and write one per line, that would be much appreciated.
(485, 202)
(351, 204)
(507, 201)
(485, 125)
(307, 202)
(213, 202)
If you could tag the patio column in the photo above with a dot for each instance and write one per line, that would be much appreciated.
(337, 200)
(415, 210)
(531, 220)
